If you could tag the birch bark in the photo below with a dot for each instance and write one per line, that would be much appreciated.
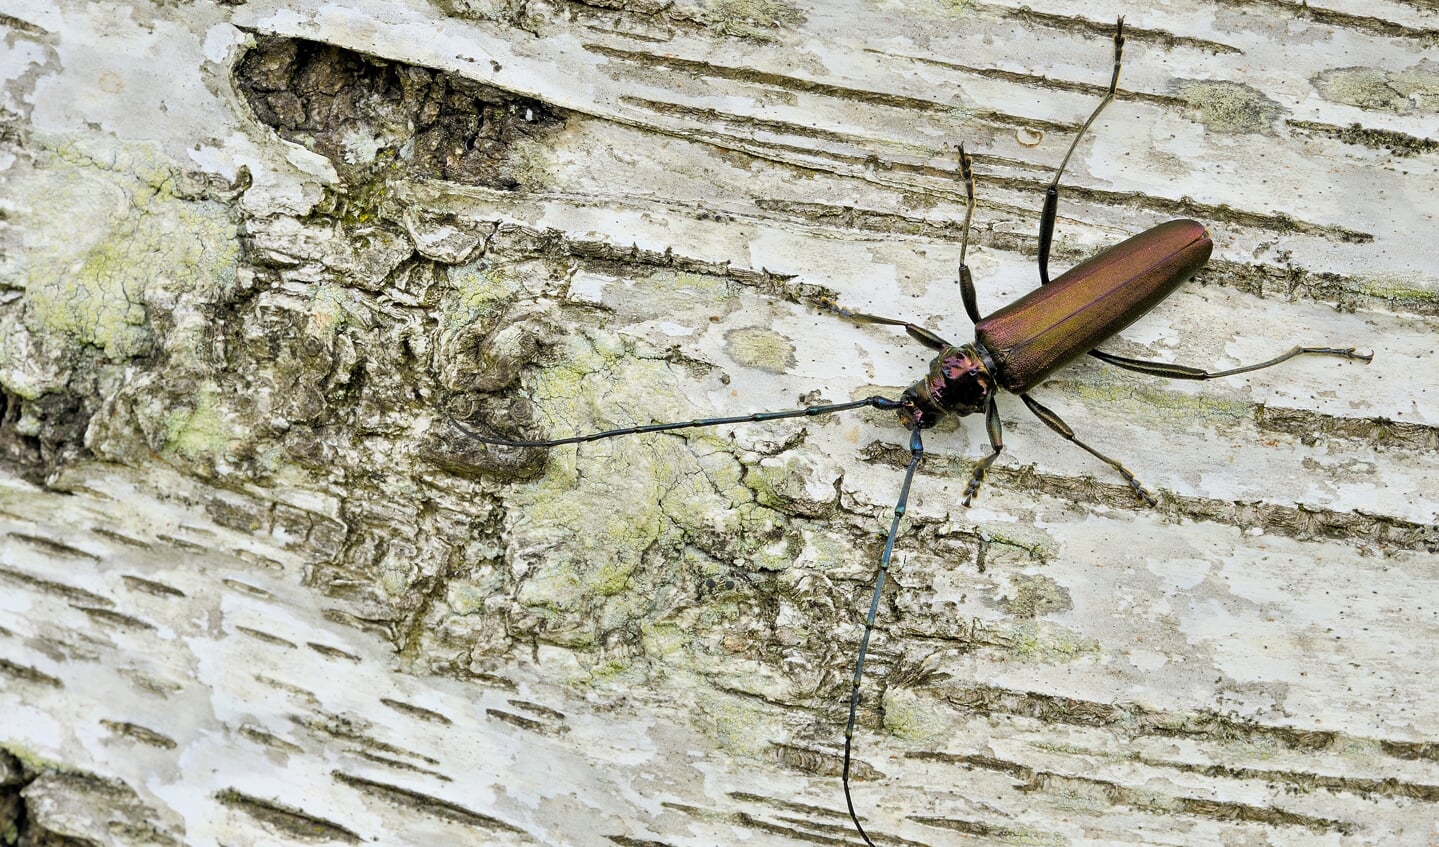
(258, 590)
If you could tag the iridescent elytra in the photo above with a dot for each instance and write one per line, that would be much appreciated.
(1014, 349)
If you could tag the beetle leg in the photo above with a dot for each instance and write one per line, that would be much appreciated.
(966, 282)
(927, 337)
(1173, 371)
(1054, 422)
(916, 451)
(1051, 194)
(996, 442)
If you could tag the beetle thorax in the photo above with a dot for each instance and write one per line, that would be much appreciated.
(958, 382)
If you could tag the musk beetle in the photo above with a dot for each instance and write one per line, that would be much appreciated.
(1014, 349)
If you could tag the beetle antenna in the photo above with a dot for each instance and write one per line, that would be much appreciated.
(754, 417)
(916, 450)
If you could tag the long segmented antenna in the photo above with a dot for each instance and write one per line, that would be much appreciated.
(808, 411)
(916, 449)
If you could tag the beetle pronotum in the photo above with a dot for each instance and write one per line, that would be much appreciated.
(1015, 348)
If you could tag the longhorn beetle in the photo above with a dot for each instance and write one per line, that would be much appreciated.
(1015, 349)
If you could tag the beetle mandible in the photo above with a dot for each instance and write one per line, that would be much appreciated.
(1014, 349)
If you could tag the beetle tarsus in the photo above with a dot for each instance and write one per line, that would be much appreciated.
(996, 444)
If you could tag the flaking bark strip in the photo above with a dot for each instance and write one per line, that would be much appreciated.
(1089, 89)
(809, 810)
(1103, 28)
(69, 592)
(110, 617)
(1305, 781)
(1397, 143)
(287, 819)
(1147, 801)
(25, 673)
(525, 723)
(980, 829)
(1302, 523)
(537, 709)
(416, 711)
(333, 652)
(396, 764)
(144, 735)
(424, 803)
(772, 80)
(337, 726)
(53, 547)
(151, 587)
(267, 637)
(821, 763)
(1380, 433)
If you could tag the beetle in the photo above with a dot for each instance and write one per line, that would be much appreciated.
(1014, 349)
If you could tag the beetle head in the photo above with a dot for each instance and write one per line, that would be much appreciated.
(959, 382)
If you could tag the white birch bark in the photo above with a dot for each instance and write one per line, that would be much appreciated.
(257, 590)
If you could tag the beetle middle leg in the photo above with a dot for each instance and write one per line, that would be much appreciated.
(1055, 423)
(996, 443)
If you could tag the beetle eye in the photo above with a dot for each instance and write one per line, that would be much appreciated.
(971, 394)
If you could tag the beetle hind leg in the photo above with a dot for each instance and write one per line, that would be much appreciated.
(1174, 371)
(1054, 422)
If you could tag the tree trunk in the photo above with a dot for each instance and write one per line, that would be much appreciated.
(259, 588)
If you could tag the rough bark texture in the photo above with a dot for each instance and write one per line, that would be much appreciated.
(255, 588)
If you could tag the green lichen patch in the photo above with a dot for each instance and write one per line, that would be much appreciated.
(760, 348)
(1050, 644)
(1128, 399)
(200, 431)
(1035, 595)
(1401, 294)
(135, 241)
(1412, 91)
(665, 294)
(914, 718)
(761, 20)
(738, 725)
(598, 537)
(1228, 106)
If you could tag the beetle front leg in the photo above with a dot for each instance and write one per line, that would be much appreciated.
(1051, 194)
(966, 282)
(927, 337)
(996, 442)
(1054, 422)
